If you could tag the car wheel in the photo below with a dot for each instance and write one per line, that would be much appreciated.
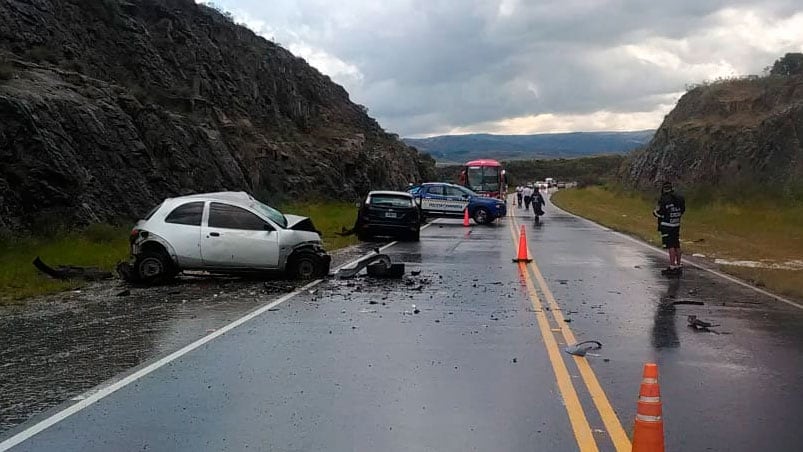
(482, 216)
(364, 237)
(305, 265)
(154, 267)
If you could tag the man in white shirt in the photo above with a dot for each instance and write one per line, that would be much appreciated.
(528, 195)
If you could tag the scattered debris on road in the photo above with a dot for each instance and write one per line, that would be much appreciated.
(688, 302)
(582, 348)
(698, 324)
(71, 271)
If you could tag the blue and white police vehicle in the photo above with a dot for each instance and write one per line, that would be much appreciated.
(440, 199)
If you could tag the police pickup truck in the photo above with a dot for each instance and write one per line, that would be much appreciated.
(438, 199)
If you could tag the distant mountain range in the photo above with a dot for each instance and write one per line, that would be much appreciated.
(461, 148)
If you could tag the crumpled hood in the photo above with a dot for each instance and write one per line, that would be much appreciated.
(298, 223)
(293, 220)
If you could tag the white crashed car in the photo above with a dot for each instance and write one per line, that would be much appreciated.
(226, 232)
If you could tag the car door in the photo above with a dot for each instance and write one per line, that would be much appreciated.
(456, 199)
(432, 199)
(234, 237)
(183, 232)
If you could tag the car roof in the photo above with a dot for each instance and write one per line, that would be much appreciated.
(426, 184)
(392, 193)
(216, 196)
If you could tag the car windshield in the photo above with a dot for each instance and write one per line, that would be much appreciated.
(391, 201)
(273, 214)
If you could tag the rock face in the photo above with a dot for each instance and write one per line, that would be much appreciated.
(727, 136)
(109, 106)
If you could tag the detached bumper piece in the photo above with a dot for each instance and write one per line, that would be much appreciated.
(376, 265)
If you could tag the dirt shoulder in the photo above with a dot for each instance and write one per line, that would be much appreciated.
(762, 244)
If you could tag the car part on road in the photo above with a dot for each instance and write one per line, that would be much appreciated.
(581, 348)
(71, 272)
(698, 324)
(376, 265)
(380, 270)
(689, 302)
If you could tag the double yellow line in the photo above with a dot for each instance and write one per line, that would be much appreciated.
(577, 417)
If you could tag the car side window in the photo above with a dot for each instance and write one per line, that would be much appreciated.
(435, 190)
(230, 217)
(454, 191)
(189, 214)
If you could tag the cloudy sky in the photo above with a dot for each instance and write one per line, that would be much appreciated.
(430, 67)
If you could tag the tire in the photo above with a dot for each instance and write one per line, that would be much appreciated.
(364, 237)
(305, 265)
(154, 267)
(482, 216)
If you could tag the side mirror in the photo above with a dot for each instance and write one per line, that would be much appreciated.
(267, 227)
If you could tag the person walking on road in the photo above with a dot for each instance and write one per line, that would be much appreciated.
(669, 210)
(538, 203)
(519, 188)
(528, 195)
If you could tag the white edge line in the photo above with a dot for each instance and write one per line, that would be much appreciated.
(95, 395)
(692, 263)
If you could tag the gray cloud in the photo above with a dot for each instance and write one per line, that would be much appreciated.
(430, 66)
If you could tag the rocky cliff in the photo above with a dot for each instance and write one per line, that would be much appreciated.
(729, 136)
(108, 106)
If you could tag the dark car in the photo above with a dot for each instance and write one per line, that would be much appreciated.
(388, 213)
(439, 199)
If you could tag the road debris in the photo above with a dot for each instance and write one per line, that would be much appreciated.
(688, 302)
(71, 271)
(582, 348)
(698, 324)
(124, 293)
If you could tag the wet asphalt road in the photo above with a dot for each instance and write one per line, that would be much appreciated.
(350, 365)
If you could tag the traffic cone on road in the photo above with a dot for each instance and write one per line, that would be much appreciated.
(648, 433)
(465, 217)
(523, 257)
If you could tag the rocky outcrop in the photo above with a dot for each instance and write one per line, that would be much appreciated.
(108, 106)
(727, 136)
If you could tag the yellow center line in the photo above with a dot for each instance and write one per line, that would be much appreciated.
(577, 418)
(617, 433)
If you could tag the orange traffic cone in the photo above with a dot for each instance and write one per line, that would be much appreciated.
(523, 257)
(465, 217)
(648, 433)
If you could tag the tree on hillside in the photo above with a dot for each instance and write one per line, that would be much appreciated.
(789, 64)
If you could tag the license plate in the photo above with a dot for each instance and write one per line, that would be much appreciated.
(390, 214)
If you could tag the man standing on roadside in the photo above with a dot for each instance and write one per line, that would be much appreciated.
(669, 210)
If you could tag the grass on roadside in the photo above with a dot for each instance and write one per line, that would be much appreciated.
(758, 230)
(98, 246)
(103, 246)
(328, 218)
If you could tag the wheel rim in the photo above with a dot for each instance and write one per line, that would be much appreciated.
(481, 216)
(150, 267)
(306, 268)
